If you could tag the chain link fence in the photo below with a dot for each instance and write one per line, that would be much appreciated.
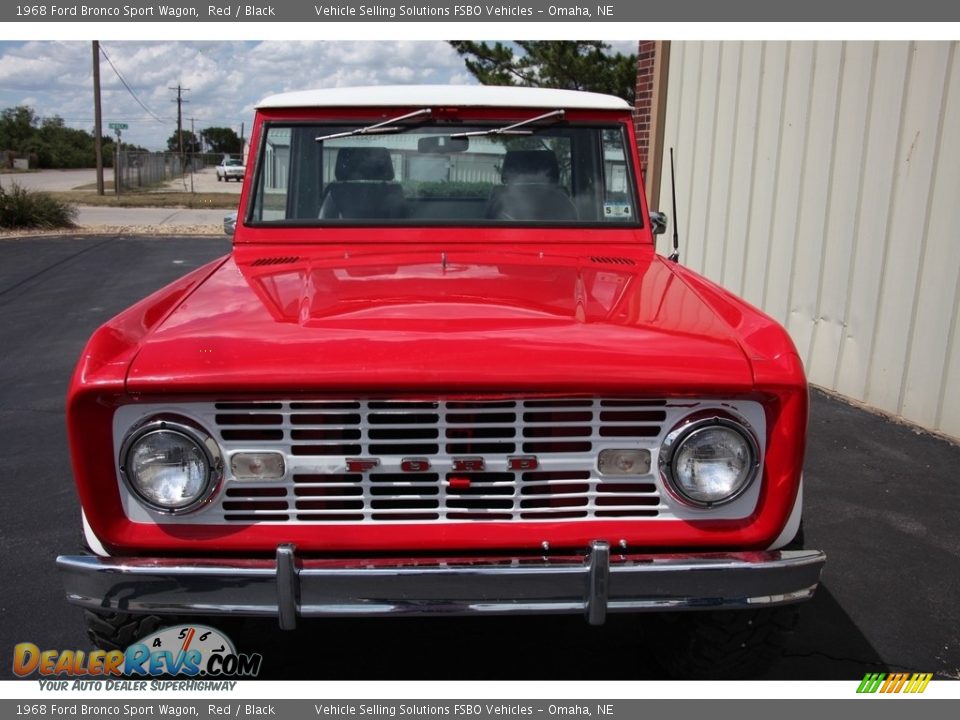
(137, 170)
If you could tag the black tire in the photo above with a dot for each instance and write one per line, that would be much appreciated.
(721, 645)
(117, 631)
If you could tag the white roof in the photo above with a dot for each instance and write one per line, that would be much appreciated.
(438, 95)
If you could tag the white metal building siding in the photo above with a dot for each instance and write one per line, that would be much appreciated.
(821, 181)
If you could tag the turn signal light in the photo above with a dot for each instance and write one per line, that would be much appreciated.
(257, 466)
(624, 462)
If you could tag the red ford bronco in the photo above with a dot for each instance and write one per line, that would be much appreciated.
(444, 371)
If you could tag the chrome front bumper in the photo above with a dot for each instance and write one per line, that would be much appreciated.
(593, 583)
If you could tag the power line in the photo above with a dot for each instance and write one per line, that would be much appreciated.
(42, 118)
(150, 112)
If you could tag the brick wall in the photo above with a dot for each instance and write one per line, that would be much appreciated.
(646, 53)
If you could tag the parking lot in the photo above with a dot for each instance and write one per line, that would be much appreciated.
(882, 500)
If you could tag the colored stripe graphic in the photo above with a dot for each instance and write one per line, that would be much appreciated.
(871, 682)
(896, 683)
(919, 682)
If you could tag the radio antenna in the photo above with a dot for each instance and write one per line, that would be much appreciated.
(675, 255)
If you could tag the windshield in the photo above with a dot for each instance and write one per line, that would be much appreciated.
(327, 175)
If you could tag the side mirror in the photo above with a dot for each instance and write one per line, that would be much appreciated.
(658, 222)
(230, 224)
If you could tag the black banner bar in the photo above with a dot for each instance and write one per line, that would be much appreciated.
(220, 707)
(592, 11)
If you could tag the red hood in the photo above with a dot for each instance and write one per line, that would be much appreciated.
(460, 320)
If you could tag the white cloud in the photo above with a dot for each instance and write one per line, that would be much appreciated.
(225, 79)
(624, 47)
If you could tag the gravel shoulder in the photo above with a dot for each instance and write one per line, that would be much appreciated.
(126, 230)
(134, 221)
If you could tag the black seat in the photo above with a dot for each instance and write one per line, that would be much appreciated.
(531, 189)
(364, 188)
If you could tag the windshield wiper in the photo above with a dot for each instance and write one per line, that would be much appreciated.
(515, 128)
(380, 128)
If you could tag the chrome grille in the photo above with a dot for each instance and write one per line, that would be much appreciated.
(318, 437)
(553, 430)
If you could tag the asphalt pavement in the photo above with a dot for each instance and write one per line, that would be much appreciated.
(51, 180)
(172, 220)
(882, 500)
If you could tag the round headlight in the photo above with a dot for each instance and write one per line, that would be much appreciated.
(710, 462)
(170, 466)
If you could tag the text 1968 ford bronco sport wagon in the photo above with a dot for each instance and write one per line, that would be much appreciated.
(444, 371)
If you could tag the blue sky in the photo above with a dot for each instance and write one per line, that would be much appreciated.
(225, 79)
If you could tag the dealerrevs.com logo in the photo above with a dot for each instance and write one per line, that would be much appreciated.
(190, 651)
(910, 683)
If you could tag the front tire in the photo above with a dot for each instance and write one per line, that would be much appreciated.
(721, 645)
(117, 631)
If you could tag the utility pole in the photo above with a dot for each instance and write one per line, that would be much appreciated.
(97, 145)
(180, 101)
(117, 170)
(193, 153)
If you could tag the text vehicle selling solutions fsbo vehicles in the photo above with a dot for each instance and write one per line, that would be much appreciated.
(444, 370)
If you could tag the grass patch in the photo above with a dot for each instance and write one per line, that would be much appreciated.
(107, 185)
(200, 201)
(21, 208)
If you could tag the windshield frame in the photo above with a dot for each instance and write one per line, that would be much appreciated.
(615, 124)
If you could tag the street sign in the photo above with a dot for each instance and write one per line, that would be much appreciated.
(118, 126)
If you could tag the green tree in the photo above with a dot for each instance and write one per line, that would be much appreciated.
(49, 142)
(222, 140)
(191, 143)
(17, 125)
(58, 146)
(567, 64)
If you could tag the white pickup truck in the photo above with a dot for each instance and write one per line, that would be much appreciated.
(230, 169)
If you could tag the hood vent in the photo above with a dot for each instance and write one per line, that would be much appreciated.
(613, 260)
(259, 262)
